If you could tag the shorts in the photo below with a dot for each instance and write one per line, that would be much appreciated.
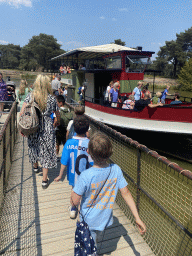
(163, 101)
(114, 104)
(60, 137)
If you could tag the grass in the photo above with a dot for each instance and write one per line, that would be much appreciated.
(162, 86)
(28, 76)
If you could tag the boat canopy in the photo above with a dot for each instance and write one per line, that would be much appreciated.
(93, 52)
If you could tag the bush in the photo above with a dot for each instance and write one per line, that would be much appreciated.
(185, 76)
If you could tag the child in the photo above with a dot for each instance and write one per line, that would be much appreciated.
(79, 110)
(164, 94)
(156, 99)
(129, 103)
(100, 215)
(65, 117)
(75, 155)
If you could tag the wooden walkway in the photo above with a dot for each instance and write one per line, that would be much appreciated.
(36, 221)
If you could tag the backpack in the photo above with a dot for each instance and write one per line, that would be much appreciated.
(79, 90)
(29, 120)
(65, 117)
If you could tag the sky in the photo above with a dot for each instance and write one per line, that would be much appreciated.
(81, 23)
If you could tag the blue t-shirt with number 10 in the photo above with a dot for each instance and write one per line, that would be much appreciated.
(76, 158)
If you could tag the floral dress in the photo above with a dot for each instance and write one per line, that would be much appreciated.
(42, 145)
(3, 91)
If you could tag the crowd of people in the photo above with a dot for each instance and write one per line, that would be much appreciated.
(94, 182)
(84, 157)
(66, 69)
(138, 99)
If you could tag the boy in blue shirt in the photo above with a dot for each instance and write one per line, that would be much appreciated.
(99, 215)
(164, 94)
(75, 156)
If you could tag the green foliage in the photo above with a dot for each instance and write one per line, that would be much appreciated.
(9, 56)
(37, 53)
(33, 56)
(119, 42)
(185, 76)
(173, 55)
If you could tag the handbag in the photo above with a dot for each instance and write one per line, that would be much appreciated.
(84, 243)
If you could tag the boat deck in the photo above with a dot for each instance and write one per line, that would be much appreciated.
(36, 221)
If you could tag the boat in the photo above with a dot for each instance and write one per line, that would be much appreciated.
(127, 65)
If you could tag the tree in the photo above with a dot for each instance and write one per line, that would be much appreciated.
(39, 51)
(173, 55)
(119, 42)
(10, 56)
(185, 76)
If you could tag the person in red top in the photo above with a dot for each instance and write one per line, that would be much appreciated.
(145, 90)
(61, 69)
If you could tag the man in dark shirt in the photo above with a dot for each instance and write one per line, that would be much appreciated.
(142, 103)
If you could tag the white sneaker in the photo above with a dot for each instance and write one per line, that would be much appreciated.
(72, 212)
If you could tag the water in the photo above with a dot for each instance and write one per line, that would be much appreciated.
(176, 147)
(16, 77)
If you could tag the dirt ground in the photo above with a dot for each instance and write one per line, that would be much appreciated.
(160, 81)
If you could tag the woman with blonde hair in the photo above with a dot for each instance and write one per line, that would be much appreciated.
(137, 91)
(42, 145)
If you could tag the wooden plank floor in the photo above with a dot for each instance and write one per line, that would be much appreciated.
(36, 221)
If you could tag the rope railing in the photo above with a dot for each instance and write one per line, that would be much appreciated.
(161, 190)
(7, 141)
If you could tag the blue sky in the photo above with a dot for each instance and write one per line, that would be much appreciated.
(81, 23)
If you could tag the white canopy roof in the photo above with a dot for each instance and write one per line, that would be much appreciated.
(106, 48)
(93, 51)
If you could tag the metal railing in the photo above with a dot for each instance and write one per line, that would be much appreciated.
(161, 190)
(7, 141)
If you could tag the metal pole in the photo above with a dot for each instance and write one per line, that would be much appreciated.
(153, 82)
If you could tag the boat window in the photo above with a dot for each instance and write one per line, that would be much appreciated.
(136, 63)
(113, 63)
(94, 64)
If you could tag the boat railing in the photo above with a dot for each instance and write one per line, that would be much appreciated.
(186, 102)
(8, 131)
(161, 190)
(73, 102)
